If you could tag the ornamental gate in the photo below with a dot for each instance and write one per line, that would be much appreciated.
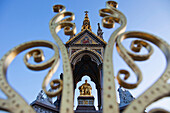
(16, 104)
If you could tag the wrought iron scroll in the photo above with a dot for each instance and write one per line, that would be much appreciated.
(109, 93)
(56, 24)
(158, 90)
(15, 103)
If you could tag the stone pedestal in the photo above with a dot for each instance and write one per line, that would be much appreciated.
(85, 103)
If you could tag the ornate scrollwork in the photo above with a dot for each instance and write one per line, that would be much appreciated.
(158, 90)
(111, 15)
(15, 103)
(129, 58)
(56, 23)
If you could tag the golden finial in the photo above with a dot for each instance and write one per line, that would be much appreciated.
(86, 12)
(86, 22)
(86, 15)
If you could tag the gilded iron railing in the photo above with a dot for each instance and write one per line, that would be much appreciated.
(16, 104)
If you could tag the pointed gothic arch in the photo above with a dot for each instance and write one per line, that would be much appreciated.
(95, 56)
(87, 62)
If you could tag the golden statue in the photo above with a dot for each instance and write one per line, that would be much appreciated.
(85, 89)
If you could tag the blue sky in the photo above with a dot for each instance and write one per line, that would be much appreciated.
(22, 21)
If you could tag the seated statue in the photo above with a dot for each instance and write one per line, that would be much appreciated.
(85, 89)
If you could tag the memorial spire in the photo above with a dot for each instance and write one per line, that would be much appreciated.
(86, 22)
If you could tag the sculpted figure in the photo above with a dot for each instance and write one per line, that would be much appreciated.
(81, 88)
(85, 89)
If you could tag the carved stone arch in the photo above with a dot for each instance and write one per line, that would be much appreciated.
(88, 62)
(86, 66)
(76, 57)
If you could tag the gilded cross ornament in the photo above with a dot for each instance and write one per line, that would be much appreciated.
(110, 15)
(86, 12)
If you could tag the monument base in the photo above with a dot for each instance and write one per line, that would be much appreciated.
(86, 103)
